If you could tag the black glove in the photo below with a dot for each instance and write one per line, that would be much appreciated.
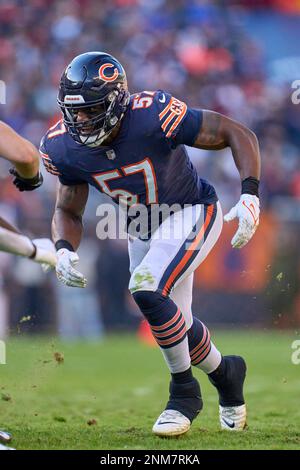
(26, 184)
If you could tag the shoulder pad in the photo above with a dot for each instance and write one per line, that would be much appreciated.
(48, 164)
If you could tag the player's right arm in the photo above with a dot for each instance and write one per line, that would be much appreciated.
(67, 231)
(24, 157)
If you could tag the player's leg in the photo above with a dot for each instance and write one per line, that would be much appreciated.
(226, 373)
(203, 352)
(177, 356)
(137, 250)
(177, 423)
(165, 318)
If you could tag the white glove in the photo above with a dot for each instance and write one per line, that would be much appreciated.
(247, 211)
(45, 253)
(66, 260)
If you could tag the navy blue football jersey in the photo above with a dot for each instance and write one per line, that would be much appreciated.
(146, 163)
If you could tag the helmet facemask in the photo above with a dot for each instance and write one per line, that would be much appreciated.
(102, 117)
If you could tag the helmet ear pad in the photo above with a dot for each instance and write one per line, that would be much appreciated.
(118, 107)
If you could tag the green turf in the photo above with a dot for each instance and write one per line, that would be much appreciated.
(122, 384)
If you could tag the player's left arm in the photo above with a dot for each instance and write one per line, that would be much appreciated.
(218, 132)
(24, 156)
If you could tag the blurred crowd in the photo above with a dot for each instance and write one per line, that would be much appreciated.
(198, 50)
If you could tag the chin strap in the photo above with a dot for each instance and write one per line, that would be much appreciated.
(98, 141)
(102, 139)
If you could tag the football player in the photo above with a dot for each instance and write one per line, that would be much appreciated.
(132, 149)
(27, 177)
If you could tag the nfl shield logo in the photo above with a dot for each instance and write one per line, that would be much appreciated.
(110, 154)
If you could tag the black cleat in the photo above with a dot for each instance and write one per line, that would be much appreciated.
(184, 404)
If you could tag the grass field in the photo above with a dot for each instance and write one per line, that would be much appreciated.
(120, 386)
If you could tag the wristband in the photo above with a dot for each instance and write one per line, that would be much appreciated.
(63, 244)
(250, 185)
(35, 180)
(34, 251)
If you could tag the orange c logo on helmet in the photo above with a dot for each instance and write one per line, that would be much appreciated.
(105, 77)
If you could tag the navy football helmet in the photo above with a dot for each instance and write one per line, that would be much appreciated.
(94, 86)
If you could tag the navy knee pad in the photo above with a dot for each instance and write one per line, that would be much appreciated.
(164, 317)
(157, 308)
(153, 305)
(149, 302)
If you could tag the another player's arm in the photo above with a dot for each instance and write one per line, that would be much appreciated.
(67, 229)
(39, 250)
(25, 158)
(8, 226)
(18, 151)
(218, 132)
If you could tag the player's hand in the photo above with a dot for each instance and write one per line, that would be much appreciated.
(45, 253)
(247, 211)
(65, 271)
(26, 184)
